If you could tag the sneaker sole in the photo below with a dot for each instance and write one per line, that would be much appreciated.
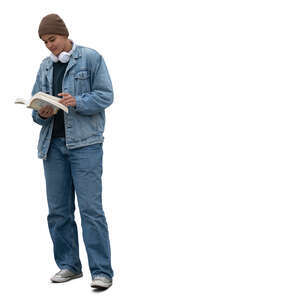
(100, 287)
(60, 280)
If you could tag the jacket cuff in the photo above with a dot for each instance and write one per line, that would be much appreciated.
(78, 107)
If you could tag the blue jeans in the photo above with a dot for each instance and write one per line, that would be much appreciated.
(80, 170)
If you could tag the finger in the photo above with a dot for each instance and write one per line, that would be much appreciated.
(64, 99)
(67, 103)
(44, 110)
(70, 103)
(63, 94)
(63, 102)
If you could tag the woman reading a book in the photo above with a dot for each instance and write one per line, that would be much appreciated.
(70, 145)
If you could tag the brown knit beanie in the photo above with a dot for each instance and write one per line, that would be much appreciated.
(52, 24)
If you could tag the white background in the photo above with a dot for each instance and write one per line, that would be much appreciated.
(201, 154)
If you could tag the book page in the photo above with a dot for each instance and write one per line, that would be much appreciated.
(40, 98)
(38, 104)
(21, 101)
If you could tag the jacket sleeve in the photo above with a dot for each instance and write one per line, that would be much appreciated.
(101, 95)
(36, 88)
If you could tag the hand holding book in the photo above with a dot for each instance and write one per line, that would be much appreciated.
(47, 111)
(41, 100)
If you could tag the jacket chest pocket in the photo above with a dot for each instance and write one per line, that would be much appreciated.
(82, 82)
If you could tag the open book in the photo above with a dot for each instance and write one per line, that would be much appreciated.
(42, 99)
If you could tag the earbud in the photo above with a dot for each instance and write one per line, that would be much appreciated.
(63, 57)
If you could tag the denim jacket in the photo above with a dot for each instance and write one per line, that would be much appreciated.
(87, 79)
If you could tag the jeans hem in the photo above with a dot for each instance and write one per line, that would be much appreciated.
(101, 274)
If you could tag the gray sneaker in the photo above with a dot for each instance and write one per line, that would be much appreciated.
(64, 275)
(101, 282)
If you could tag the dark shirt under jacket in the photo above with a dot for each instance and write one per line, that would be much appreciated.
(59, 69)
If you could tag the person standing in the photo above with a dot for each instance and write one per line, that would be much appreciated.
(70, 146)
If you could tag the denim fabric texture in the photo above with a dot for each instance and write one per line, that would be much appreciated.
(80, 170)
(87, 79)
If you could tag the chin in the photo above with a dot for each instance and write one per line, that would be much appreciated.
(56, 53)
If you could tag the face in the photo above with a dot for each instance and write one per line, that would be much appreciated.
(55, 43)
